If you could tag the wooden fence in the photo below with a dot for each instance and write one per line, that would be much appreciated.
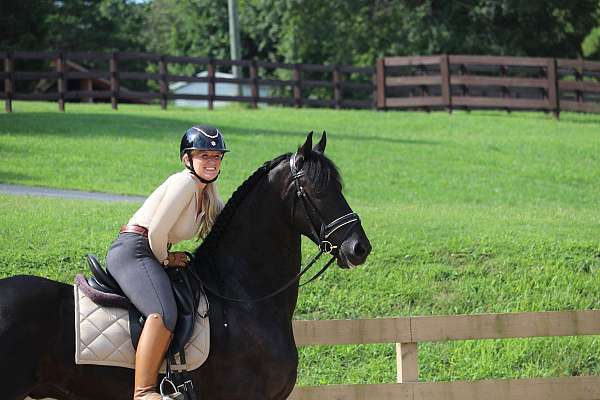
(472, 82)
(343, 82)
(421, 82)
(408, 332)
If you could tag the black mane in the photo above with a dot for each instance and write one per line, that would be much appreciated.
(235, 200)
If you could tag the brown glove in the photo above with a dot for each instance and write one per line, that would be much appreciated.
(178, 259)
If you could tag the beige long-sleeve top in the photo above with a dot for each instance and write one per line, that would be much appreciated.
(171, 213)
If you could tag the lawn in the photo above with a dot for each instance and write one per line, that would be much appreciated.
(467, 213)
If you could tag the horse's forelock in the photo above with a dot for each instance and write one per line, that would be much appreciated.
(320, 170)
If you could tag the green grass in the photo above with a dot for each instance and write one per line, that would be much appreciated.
(467, 213)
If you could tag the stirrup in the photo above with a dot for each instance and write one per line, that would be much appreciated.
(176, 395)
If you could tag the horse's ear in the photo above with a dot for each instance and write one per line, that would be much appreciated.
(320, 147)
(306, 148)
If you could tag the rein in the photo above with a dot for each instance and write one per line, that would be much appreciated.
(324, 245)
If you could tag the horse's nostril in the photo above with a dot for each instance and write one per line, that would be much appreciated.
(359, 251)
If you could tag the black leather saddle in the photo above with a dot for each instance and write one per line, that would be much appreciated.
(187, 296)
(101, 279)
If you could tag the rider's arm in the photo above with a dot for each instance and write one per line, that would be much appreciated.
(177, 196)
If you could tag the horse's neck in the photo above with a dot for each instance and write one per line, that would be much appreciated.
(259, 252)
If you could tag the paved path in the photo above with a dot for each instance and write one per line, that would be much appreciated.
(67, 194)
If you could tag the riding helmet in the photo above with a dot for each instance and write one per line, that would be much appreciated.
(202, 137)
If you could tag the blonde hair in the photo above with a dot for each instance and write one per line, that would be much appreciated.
(212, 206)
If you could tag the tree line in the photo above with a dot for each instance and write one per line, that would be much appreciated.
(353, 32)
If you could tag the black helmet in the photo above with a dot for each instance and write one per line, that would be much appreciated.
(202, 137)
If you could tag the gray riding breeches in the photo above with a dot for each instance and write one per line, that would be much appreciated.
(132, 264)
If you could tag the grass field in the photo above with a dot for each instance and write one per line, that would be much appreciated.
(467, 213)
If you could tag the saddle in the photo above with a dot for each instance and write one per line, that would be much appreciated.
(103, 290)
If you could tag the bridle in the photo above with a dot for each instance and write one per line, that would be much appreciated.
(326, 230)
(322, 238)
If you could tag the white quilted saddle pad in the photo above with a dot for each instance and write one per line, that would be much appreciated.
(102, 336)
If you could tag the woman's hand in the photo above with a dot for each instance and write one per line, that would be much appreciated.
(178, 259)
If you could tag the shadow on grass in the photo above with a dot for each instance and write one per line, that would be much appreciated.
(565, 116)
(14, 177)
(82, 125)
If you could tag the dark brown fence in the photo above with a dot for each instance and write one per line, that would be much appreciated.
(420, 82)
(339, 86)
(475, 82)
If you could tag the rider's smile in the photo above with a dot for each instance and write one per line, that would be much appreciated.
(207, 163)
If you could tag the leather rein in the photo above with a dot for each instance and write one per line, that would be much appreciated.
(322, 238)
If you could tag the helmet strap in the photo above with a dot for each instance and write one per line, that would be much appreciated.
(193, 171)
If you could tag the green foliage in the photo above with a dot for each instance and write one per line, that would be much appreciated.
(107, 25)
(77, 25)
(591, 44)
(336, 31)
(546, 29)
(467, 213)
(189, 27)
(23, 24)
(358, 31)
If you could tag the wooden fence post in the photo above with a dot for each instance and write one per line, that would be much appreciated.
(60, 68)
(211, 83)
(8, 82)
(164, 88)
(374, 89)
(254, 85)
(552, 78)
(114, 81)
(337, 87)
(422, 71)
(446, 89)
(579, 78)
(505, 90)
(407, 361)
(380, 87)
(86, 86)
(297, 86)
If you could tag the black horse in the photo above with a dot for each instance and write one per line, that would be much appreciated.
(253, 250)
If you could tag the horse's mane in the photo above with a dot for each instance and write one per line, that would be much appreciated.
(319, 170)
(222, 221)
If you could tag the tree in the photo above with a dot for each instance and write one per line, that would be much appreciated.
(76, 25)
(23, 24)
(106, 25)
(187, 27)
(359, 31)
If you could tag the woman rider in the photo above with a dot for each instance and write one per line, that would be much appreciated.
(183, 206)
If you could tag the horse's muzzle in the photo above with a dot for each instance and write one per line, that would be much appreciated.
(354, 250)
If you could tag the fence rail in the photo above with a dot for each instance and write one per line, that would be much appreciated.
(407, 332)
(474, 82)
(419, 82)
(348, 86)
